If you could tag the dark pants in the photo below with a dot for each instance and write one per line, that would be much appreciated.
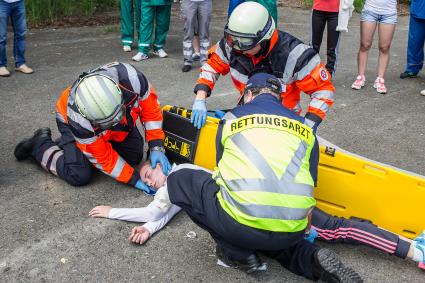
(64, 159)
(342, 230)
(195, 192)
(319, 19)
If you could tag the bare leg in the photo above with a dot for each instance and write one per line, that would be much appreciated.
(367, 30)
(195, 43)
(386, 32)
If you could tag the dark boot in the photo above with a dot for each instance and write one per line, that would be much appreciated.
(24, 148)
(329, 268)
(251, 265)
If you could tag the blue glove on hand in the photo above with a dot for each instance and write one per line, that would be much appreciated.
(145, 188)
(311, 235)
(199, 113)
(157, 156)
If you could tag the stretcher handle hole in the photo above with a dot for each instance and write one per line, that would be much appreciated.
(409, 234)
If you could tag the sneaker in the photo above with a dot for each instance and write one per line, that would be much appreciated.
(196, 56)
(161, 53)
(329, 268)
(186, 68)
(379, 84)
(4, 72)
(140, 56)
(24, 69)
(251, 265)
(407, 74)
(423, 92)
(359, 82)
(24, 148)
(126, 48)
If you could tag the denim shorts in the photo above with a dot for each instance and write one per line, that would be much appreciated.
(369, 16)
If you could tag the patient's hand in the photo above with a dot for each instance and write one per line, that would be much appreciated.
(139, 235)
(100, 211)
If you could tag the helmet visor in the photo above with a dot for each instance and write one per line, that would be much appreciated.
(112, 120)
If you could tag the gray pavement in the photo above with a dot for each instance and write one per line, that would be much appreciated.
(44, 229)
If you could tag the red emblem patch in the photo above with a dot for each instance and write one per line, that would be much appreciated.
(323, 74)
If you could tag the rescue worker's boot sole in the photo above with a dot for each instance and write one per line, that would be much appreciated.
(24, 148)
(333, 270)
(252, 265)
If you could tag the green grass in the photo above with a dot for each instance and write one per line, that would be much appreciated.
(51, 10)
(358, 4)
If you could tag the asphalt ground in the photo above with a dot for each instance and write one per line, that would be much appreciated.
(46, 235)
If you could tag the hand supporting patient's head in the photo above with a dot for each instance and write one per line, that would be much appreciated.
(153, 177)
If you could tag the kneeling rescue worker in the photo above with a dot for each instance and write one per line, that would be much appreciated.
(252, 44)
(260, 196)
(96, 118)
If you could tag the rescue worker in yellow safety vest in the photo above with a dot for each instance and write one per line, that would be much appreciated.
(259, 198)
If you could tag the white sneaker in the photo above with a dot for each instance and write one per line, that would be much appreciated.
(161, 53)
(359, 82)
(423, 92)
(139, 57)
(126, 48)
(379, 84)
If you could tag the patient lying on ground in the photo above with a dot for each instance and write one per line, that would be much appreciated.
(156, 214)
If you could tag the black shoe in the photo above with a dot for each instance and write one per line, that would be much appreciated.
(186, 68)
(24, 148)
(251, 265)
(407, 74)
(329, 268)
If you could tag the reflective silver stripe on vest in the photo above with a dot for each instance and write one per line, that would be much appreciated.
(292, 61)
(270, 182)
(153, 125)
(266, 211)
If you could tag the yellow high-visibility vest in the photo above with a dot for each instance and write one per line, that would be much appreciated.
(264, 173)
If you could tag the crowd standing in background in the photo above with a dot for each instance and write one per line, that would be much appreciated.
(15, 10)
(130, 17)
(381, 14)
(155, 13)
(197, 16)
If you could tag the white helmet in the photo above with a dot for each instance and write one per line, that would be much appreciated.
(100, 100)
(249, 24)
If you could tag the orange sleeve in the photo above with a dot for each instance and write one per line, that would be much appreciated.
(319, 86)
(151, 117)
(101, 154)
(216, 65)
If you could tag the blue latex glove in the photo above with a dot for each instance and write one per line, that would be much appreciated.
(199, 113)
(311, 236)
(157, 156)
(145, 188)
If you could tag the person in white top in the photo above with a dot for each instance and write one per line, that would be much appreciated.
(381, 14)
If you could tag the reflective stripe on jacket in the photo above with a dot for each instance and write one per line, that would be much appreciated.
(264, 170)
(296, 64)
(141, 102)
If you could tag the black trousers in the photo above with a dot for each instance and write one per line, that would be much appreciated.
(64, 159)
(319, 19)
(341, 230)
(195, 192)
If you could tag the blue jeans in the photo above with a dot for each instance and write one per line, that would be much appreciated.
(16, 12)
(415, 45)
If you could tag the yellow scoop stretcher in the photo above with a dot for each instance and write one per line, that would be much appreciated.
(349, 185)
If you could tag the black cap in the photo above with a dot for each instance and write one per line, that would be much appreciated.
(261, 80)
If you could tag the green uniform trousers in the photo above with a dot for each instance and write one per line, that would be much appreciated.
(158, 15)
(128, 9)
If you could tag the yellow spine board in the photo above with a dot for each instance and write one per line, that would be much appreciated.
(351, 186)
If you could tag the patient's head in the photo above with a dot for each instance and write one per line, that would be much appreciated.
(152, 177)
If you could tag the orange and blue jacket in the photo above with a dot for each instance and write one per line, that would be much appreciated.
(296, 64)
(141, 102)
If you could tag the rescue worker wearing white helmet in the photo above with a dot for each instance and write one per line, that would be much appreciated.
(251, 44)
(96, 118)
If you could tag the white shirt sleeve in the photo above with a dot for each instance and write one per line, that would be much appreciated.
(156, 210)
(155, 226)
